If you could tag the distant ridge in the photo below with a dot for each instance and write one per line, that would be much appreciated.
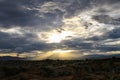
(100, 56)
(11, 58)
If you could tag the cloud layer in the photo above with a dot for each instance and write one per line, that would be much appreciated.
(37, 28)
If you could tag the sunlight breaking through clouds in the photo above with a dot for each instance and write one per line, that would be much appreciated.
(58, 54)
(75, 28)
(78, 26)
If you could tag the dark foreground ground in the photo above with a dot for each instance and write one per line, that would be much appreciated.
(107, 69)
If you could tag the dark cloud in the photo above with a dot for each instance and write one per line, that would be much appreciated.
(32, 47)
(77, 5)
(80, 44)
(102, 2)
(10, 44)
(106, 19)
(15, 13)
(87, 45)
(115, 33)
(108, 48)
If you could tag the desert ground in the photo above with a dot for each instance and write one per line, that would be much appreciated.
(105, 69)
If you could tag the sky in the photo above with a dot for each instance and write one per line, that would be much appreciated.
(59, 29)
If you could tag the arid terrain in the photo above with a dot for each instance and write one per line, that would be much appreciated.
(105, 69)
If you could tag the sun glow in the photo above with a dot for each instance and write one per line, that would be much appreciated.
(63, 54)
(59, 51)
(58, 37)
(57, 54)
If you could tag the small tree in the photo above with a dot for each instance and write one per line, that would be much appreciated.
(18, 50)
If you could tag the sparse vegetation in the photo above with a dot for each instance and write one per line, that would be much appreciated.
(107, 69)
